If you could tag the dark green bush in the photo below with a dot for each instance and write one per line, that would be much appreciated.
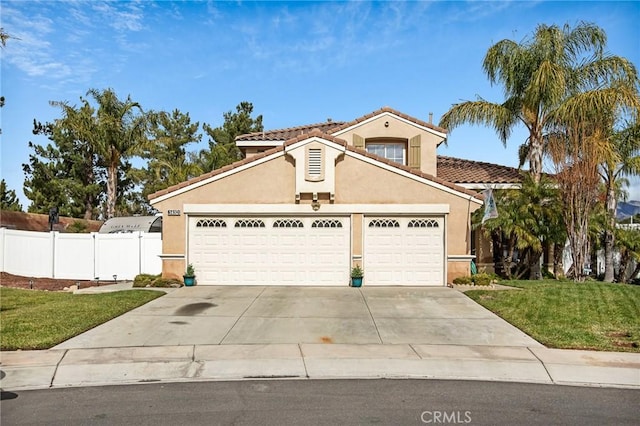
(482, 279)
(148, 280)
(462, 280)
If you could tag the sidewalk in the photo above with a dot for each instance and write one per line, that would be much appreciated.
(59, 368)
(235, 333)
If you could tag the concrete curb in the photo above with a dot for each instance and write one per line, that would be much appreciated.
(57, 368)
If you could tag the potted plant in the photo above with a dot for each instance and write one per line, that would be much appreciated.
(190, 275)
(356, 276)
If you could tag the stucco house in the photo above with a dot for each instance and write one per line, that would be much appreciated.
(307, 203)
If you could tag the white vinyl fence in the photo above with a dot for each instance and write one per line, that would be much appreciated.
(80, 256)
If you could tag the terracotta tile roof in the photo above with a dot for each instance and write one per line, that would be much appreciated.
(288, 133)
(315, 132)
(457, 170)
(329, 127)
(392, 111)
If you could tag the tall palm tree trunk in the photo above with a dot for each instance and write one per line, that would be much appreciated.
(609, 236)
(112, 190)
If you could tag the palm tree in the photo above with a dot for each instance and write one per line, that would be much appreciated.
(624, 161)
(580, 142)
(537, 75)
(118, 134)
(528, 219)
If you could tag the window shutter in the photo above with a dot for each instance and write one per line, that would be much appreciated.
(358, 141)
(414, 152)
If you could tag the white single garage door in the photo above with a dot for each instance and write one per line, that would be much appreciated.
(404, 251)
(270, 250)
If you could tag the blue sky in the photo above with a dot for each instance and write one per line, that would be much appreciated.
(297, 62)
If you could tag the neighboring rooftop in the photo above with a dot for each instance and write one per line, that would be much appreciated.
(289, 133)
(460, 171)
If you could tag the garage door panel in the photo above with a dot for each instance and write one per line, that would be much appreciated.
(284, 251)
(411, 253)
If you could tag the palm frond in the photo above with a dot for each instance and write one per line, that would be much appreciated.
(497, 116)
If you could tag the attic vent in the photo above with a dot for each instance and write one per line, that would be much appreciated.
(314, 171)
(315, 162)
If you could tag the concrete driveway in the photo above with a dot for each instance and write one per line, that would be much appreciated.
(277, 315)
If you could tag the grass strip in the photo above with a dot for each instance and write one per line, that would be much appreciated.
(569, 315)
(32, 319)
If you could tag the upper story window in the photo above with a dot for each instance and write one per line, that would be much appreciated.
(393, 151)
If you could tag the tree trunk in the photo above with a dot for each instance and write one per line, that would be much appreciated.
(534, 266)
(88, 202)
(112, 188)
(88, 208)
(625, 264)
(558, 252)
(496, 247)
(635, 272)
(535, 157)
(609, 236)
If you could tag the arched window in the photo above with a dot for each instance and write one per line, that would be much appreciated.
(288, 223)
(424, 223)
(211, 223)
(384, 223)
(326, 223)
(249, 223)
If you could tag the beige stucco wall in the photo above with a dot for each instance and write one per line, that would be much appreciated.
(272, 182)
(357, 182)
(399, 129)
(458, 269)
(362, 183)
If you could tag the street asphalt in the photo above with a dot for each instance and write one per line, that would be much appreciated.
(230, 333)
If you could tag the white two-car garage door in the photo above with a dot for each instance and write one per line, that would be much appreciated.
(270, 250)
(404, 251)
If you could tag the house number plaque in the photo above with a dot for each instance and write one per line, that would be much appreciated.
(173, 212)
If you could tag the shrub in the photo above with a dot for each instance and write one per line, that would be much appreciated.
(463, 280)
(357, 272)
(482, 279)
(191, 271)
(148, 280)
(143, 280)
(78, 227)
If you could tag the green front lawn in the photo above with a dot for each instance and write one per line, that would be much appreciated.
(32, 319)
(570, 315)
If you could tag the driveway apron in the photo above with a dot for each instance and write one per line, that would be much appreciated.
(226, 315)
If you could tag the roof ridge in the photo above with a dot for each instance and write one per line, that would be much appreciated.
(294, 128)
(394, 112)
